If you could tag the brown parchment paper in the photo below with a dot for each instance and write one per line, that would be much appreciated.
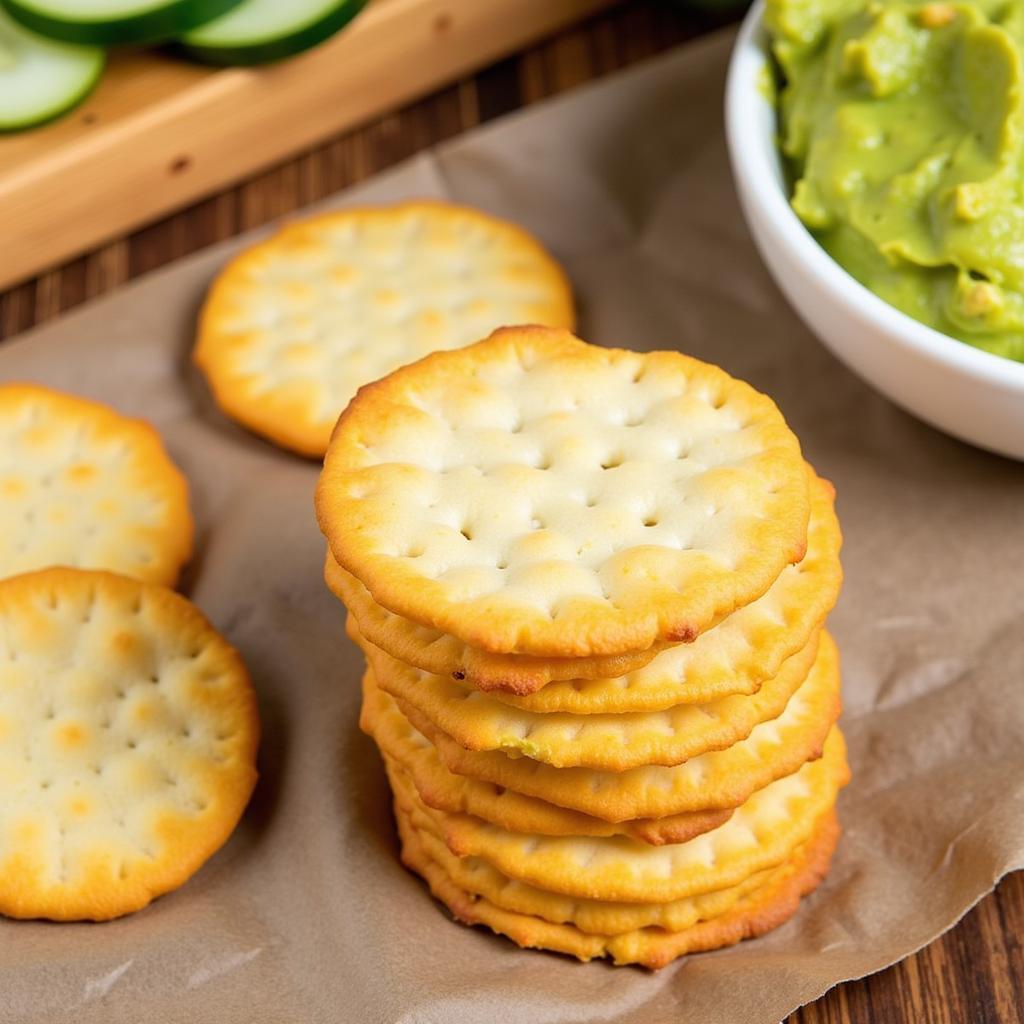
(306, 915)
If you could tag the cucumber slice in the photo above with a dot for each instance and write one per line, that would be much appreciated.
(114, 22)
(40, 78)
(259, 31)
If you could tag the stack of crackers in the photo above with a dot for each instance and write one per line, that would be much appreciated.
(590, 585)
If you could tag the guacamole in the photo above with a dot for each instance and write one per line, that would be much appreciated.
(904, 127)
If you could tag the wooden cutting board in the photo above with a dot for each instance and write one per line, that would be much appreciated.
(159, 132)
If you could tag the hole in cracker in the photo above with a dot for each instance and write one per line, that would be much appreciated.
(502, 564)
(132, 744)
(45, 784)
(499, 790)
(542, 462)
(467, 532)
(458, 674)
(536, 523)
(611, 461)
(651, 520)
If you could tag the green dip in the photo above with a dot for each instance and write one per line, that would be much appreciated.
(904, 127)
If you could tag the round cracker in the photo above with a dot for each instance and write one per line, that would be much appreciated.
(736, 656)
(723, 778)
(760, 911)
(595, 917)
(295, 324)
(533, 494)
(611, 743)
(406, 747)
(128, 735)
(433, 651)
(761, 834)
(83, 486)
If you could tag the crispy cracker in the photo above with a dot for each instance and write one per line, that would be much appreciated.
(595, 917)
(128, 734)
(443, 654)
(763, 909)
(736, 656)
(603, 742)
(533, 494)
(723, 778)
(403, 745)
(295, 324)
(81, 485)
(761, 834)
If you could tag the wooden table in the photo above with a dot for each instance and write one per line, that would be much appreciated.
(974, 974)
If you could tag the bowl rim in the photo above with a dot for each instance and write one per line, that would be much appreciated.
(755, 160)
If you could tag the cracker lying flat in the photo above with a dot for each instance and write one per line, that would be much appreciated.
(760, 834)
(761, 910)
(736, 656)
(128, 733)
(81, 485)
(604, 742)
(596, 917)
(294, 325)
(723, 778)
(533, 494)
(407, 748)
(443, 654)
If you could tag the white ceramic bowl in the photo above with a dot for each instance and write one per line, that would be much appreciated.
(969, 393)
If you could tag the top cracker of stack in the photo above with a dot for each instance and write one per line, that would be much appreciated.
(590, 584)
(537, 497)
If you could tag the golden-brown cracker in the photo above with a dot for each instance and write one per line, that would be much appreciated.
(761, 834)
(611, 743)
(403, 745)
(596, 917)
(295, 324)
(723, 778)
(443, 654)
(81, 485)
(128, 734)
(533, 494)
(760, 911)
(736, 656)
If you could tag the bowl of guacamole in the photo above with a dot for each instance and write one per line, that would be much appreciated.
(878, 152)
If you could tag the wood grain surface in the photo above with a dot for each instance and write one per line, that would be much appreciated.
(975, 973)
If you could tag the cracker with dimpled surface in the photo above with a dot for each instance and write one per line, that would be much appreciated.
(734, 657)
(596, 917)
(722, 778)
(81, 485)
(533, 494)
(295, 324)
(760, 835)
(434, 651)
(761, 910)
(612, 743)
(404, 746)
(128, 735)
